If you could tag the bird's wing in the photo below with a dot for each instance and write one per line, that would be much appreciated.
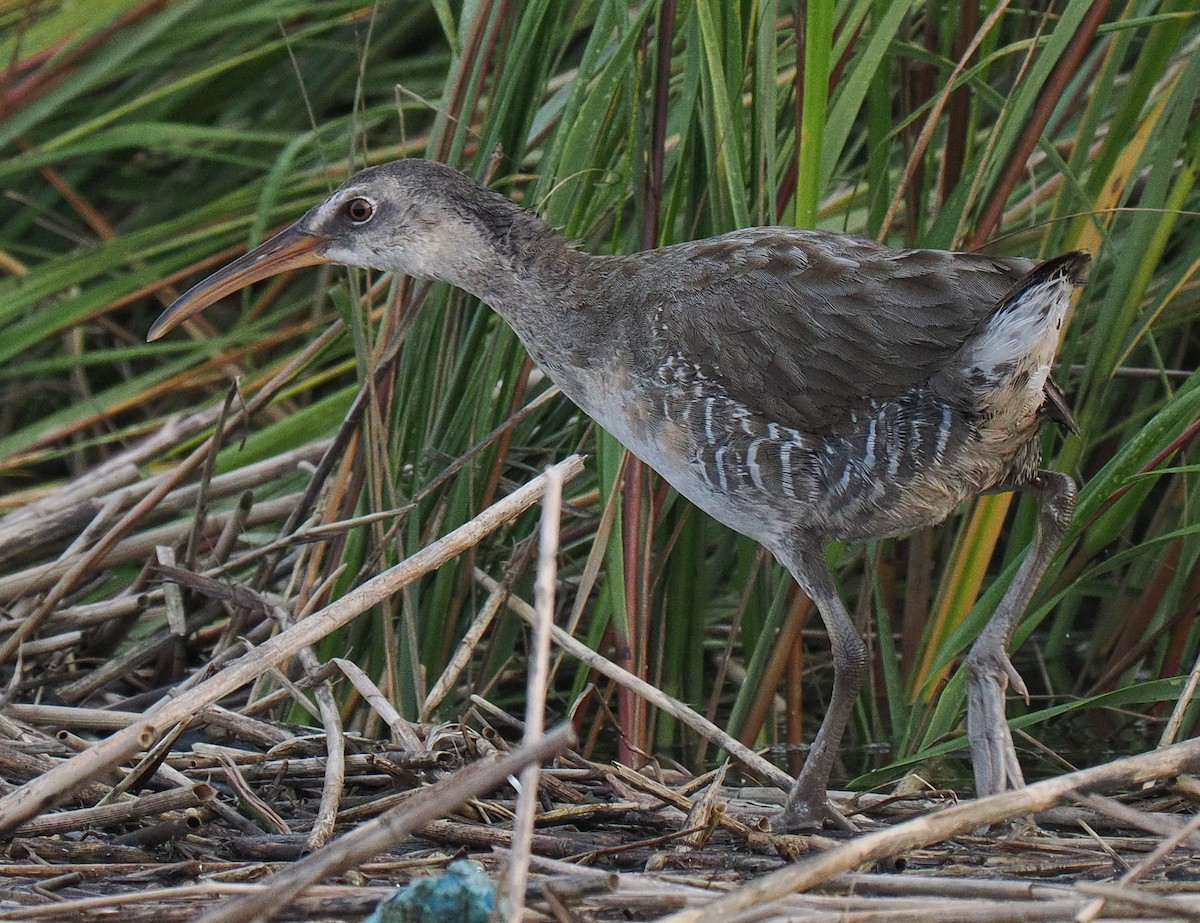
(809, 328)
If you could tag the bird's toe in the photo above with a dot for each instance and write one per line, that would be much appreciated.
(808, 814)
(993, 754)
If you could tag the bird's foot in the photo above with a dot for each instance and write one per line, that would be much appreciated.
(993, 756)
(805, 814)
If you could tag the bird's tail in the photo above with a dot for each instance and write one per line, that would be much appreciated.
(1009, 358)
(1021, 334)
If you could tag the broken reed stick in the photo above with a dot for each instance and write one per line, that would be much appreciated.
(1089, 913)
(83, 565)
(535, 698)
(131, 549)
(121, 812)
(931, 828)
(403, 731)
(53, 786)
(373, 837)
(750, 760)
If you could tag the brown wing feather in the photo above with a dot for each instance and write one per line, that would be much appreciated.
(809, 327)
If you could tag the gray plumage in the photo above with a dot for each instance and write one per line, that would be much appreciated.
(800, 386)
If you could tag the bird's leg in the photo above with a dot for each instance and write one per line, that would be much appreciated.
(989, 669)
(808, 802)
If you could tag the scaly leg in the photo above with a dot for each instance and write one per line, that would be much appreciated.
(808, 802)
(989, 669)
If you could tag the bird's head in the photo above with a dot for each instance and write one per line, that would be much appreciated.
(415, 217)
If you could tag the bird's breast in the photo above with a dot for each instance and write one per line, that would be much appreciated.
(886, 470)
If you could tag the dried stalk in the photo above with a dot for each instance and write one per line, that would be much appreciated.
(961, 818)
(403, 732)
(134, 549)
(50, 788)
(121, 812)
(374, 837)
(69, 580)
(656, 697)
(535, 695)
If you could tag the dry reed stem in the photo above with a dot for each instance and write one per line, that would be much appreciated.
(668, 795)
(1186, 698)
(90, 719)
(158, 898)
(465, 650)
(378, 835)
(953, 821)
(120, 812)
(334, 780)
(1139, 871)
(113, 473)
(1158, 824)
(655, 696)
(536, 689)
(100, 551)
(133, 549)
(52, 787)
(1121, 893)
(402, 729)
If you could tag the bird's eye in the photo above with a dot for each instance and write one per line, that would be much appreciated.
(360, 210)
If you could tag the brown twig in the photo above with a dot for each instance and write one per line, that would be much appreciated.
(536, 687)
(120, 812)
(654, 696)
(959, 819)
(50, 788)
(374, 837)
(184, 469)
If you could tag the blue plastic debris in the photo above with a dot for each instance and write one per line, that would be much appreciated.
(462, 892)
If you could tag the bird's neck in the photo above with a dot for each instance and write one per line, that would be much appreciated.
(528, 273)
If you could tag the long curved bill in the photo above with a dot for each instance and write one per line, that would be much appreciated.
(291, 248)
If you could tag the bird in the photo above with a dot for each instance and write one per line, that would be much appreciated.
(800, 386)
